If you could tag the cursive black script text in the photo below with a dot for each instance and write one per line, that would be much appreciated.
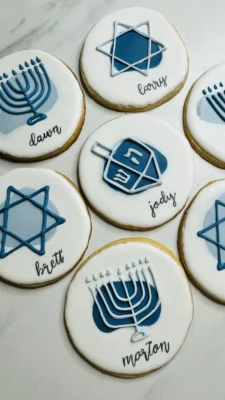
(34, 140)
(163, 200)
(145, 353)
(57, 259)
(154, 85)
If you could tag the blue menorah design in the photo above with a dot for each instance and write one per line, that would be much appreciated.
(216, 99)
(131, 301)
(27, 92)
(211, 106)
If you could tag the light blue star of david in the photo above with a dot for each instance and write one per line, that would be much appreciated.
(44, 228)
(127, 66)
(216, 225)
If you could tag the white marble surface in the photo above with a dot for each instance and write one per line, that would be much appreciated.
(36, 358)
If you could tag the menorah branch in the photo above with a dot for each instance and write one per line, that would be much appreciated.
(131, 300)
(26, 92)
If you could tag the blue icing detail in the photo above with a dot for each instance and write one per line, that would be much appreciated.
(9, 122)
(27, 92)
(161, 160)
(152, 319)
(28, 218)
(131, 47)
(25, 219)
(214, 240)
(133, 155)
(211, 107)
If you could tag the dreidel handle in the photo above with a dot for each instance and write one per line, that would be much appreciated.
(101, 150)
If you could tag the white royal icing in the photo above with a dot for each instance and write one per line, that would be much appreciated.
(137, 87)
(165, 310)
(50, 125)
(205, 114)
(69, 238)
(112, 196)
(202, 257)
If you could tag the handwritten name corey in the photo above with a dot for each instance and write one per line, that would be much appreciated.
(146, 353)
(34, 140)
(57, 259)
(154, 85)
(163, 200)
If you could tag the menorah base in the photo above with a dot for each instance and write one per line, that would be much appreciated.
(138, 335)
(37, 117)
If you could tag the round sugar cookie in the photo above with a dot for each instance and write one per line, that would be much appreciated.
(204, 116)
(133, 60)
(201, 240)
(42, 106)
(44, 226)
(136, 171)
(136, 307)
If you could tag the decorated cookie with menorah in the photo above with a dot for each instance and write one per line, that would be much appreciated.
(42, 106)
(201, 240)
(133, 60)
(204, 116)
(129, 307)
(43, 234)
(136, 171)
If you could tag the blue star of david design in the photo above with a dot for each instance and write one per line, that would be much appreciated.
(132, 49)
(216, 225)
(44, 229)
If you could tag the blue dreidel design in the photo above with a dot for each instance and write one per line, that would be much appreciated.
(26, 91)
(131, 165)
(130, 301)
(216, 98)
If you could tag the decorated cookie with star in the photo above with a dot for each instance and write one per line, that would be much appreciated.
(201, 240)
(42, 106)
(133, 60)
(44, 226)
(136, 307)
(204, 116)
(136, 171)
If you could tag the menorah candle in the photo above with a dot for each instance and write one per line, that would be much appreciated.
(43, 234)
(136, 171)
(204, 116)
(136, 307)
(140, 60)
(201, 240)
(42, 106)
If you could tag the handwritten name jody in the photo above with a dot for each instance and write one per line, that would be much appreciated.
(154, 85)
(36, 139)
(57, 259)
(164, 199)
(146, 353)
